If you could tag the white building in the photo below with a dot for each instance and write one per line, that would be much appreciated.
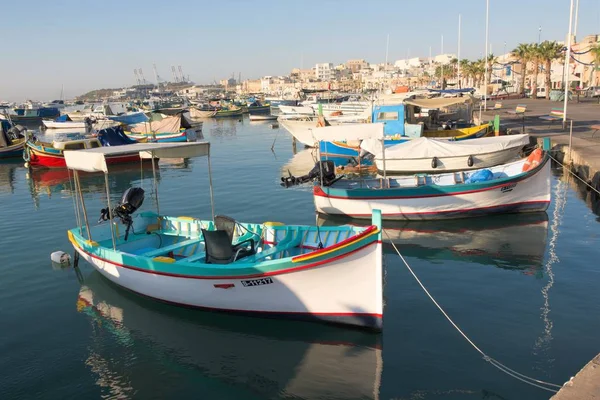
(324, 71)
(444, 58)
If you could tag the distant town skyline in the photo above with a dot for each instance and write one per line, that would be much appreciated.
(86, 46)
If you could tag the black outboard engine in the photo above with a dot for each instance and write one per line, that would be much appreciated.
(322, 171)
(132, 200)
(16, 132)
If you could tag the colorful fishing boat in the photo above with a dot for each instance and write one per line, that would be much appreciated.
(520, 186)
(258, 108)
(270, 269)
(171, 128)
(51, 155)
(233, 111)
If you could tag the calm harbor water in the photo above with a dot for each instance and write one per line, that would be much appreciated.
(523, 287)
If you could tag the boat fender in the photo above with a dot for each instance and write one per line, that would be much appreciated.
(434, 162)
(470, 161)
(534, 159)
(61, 258)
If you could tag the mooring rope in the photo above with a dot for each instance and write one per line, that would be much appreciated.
(575, 175)
(523, 378)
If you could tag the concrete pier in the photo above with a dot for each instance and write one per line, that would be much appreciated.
(583, 386)
(584, 157)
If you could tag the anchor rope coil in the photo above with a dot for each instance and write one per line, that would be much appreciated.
(523, 378)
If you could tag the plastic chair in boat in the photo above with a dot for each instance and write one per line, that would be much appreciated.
(219, 249)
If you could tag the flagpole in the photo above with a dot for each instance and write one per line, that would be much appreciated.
(458, 56)
(567, 59)
(485, 82)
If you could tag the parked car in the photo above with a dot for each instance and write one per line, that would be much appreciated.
(541, 92)
(591, 91)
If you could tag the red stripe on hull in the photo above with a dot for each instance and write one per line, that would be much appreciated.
(58, 161)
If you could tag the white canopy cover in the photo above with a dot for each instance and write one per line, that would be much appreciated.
(348, 132)
(428, 148)
(94, 160)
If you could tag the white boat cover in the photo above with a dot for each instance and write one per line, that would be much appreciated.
(348, 132)
(94, 160)
(428, 147)
(169, 124)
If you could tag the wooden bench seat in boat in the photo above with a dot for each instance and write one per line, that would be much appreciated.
(167, 249)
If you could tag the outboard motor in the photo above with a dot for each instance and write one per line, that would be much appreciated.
(132, 200)
(16, 132)
(322, 171)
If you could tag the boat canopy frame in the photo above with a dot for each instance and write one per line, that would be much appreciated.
(94, 160)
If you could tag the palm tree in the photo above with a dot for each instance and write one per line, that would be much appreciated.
(464, 71)
(491, 60)
(595, 51)
(534, 56)
(522, 53)
(549, 51)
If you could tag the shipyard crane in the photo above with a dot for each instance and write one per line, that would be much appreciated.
(181, 78)
(142, 77)
(137, 77)
(174, 73)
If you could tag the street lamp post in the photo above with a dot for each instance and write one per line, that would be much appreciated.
(485, 82)
(566, 69)
(539, 34)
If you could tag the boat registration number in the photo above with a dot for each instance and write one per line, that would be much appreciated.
(257, 282)
(508, 188)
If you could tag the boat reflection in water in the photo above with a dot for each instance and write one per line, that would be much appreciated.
(8, 171)
(511, 241)
(239, 357)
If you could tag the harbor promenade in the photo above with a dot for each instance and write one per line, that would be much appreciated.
(583, 386)
(585, 153)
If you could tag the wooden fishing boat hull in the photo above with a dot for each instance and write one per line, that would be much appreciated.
(14, 150)
(525, 192)
(259, 110)
(228, 113)
(341, 283)
(188, 135)
(63, 125)
(42, 157)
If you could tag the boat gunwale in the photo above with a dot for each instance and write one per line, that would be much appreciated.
(243, 270)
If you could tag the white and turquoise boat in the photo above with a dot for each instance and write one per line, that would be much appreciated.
(331, 274)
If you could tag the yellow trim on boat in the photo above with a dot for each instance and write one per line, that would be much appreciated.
(310, 256)
(164, 259)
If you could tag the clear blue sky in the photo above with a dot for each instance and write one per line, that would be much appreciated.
(97, 44)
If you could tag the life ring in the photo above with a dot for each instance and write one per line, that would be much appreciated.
(534, 159)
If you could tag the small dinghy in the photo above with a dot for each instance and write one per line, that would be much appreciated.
(262, 117)
(331, 274)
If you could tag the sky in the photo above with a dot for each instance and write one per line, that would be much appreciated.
(86, 45)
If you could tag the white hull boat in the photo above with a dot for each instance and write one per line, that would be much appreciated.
(301, 128)
(296, 110)
(64, 125)
(507, 188)
(285, 271)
